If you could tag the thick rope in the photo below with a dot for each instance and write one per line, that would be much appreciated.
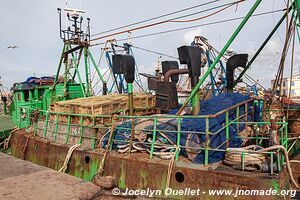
(286, 156)
(170, 168)
(24, 148)
(140, 135)
(102, 164)
(296, 140)
(5, 143)
(294, 161)
(252, 161)
(69, 154)
(233, 158)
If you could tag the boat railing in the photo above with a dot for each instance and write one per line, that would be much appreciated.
(48, 124)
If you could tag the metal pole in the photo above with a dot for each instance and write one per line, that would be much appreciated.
(114, 76)
(66, 73)
(121, 88)
(78, 62)
(96, 67)
(297, 3)
(130, 101)
(86, 72)
(4, 107)
(178, 138)
(261, 47)
(227, 129)
(104, 88)
(130, 98)
(77, 72)
(206, 141)
(60, 62)
(154, 137)
(196, 98)
(236, 32)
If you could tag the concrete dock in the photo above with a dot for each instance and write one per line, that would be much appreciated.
(21, 179)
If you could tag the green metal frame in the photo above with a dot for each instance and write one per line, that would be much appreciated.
(262, 46)
(212, 66)
(235, 122)
(85, 87)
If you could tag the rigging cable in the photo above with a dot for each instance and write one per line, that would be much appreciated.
(194, 26)
(101, 55)
(274, 23)
(169, 20)
(282, 61)
(250, 79)
(155, 52)
(278, 80)
(291, 76)
(203, 17)
(157, 17)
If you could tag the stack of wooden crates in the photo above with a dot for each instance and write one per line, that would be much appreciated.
(144, 104)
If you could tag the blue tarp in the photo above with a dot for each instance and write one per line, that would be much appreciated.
(34, 80)
(191, 125)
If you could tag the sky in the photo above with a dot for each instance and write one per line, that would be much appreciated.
(33, 26)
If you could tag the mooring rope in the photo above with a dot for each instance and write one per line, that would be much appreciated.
(69, 154)
(233, 158)
(5, 143)
(24, 148)
(252, 161)
(296, 140)
(170, 168)
(102, 164)
(286, 156)
(294, 161)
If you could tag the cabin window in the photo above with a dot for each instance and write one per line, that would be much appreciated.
(293, 92)
(41, 92)
(26, 95)
(293, 83)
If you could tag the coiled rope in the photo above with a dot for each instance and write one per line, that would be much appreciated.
(252, 161)
(233, 158)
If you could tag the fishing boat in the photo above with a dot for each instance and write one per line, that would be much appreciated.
(149, 142)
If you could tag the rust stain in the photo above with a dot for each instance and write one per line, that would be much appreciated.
(137, 171)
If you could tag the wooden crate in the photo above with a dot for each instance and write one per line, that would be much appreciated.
(85, 110)
(116, 105)
(74, 108)
(102, 105)
(151, 101)
(103, 109)
(140, 102)
(103, 120)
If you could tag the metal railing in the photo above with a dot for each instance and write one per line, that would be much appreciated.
(49, 125)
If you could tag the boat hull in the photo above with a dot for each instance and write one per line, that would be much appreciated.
(137, 171)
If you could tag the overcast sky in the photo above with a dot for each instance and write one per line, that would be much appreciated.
(33, 26)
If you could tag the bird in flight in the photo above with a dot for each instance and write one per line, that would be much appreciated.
(13, 47)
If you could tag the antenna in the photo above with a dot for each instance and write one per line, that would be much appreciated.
(74, 12)
(73, 31)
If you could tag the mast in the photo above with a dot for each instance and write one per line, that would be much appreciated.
(76, 45)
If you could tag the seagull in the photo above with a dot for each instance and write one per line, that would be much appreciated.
(12, 47)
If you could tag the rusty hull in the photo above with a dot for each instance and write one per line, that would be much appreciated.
(137, 171)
